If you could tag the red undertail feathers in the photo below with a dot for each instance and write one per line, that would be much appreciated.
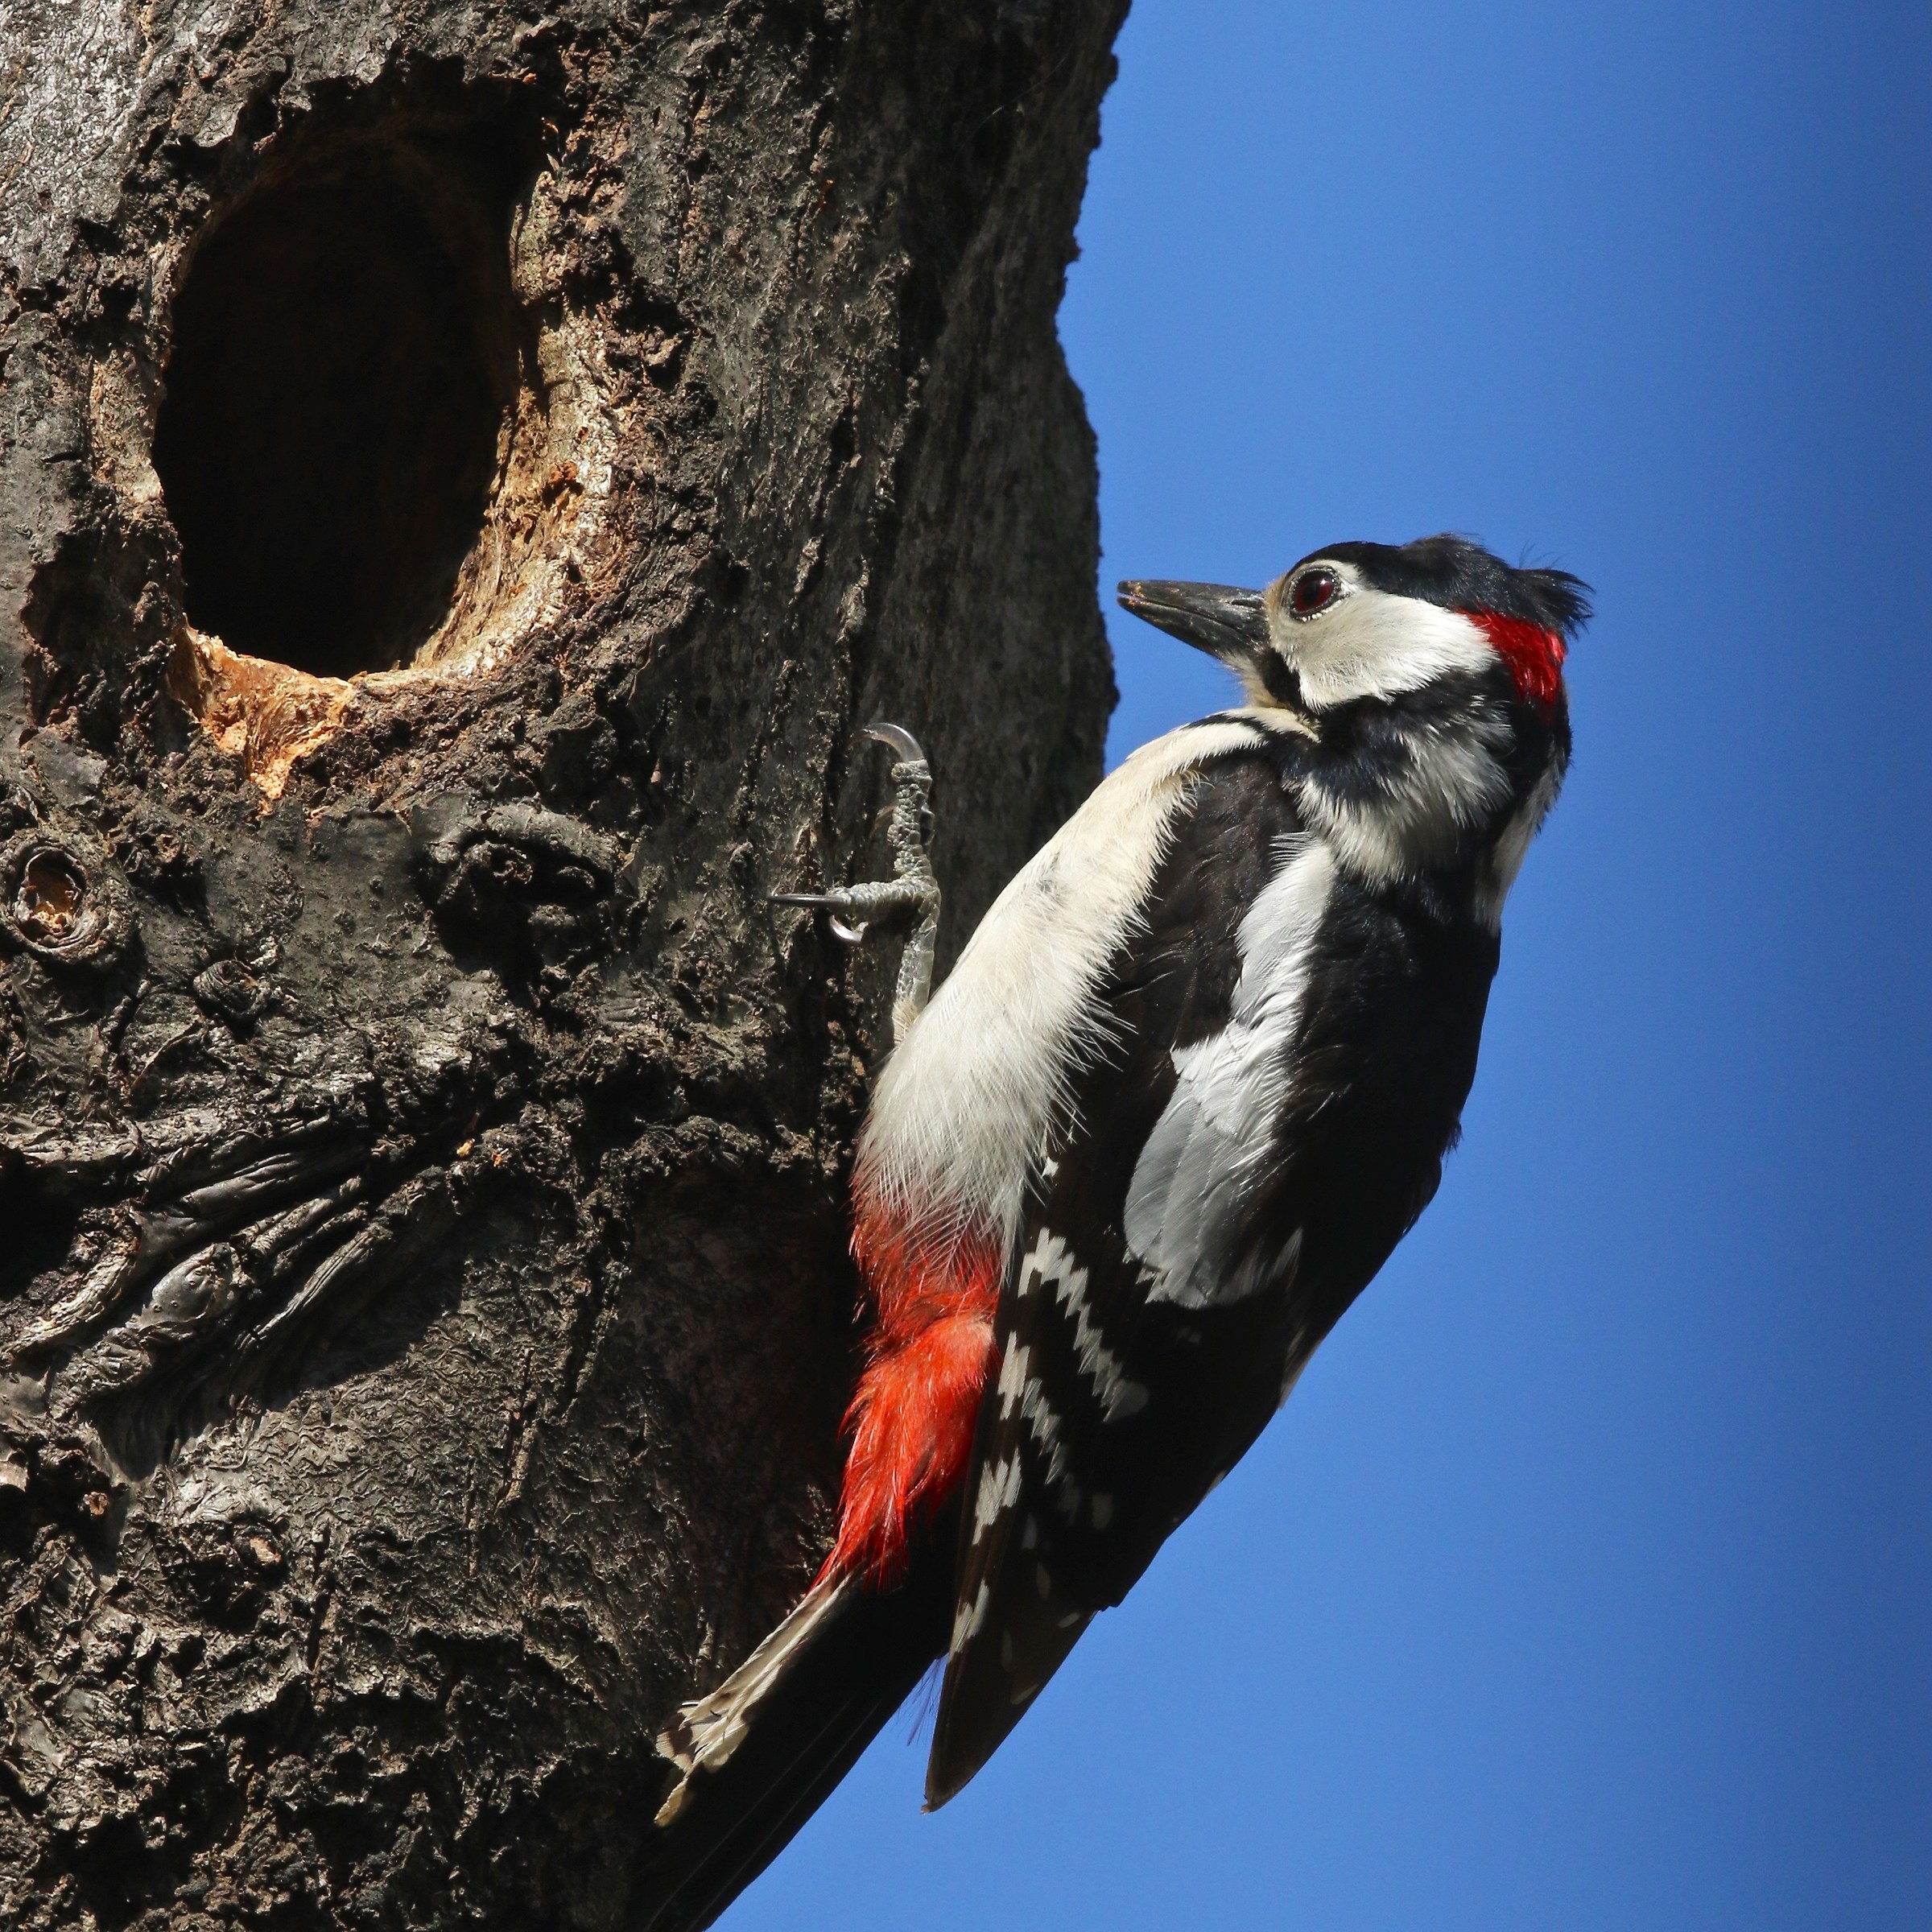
(927, 1357)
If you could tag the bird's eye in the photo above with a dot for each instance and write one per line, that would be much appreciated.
(1312, 591)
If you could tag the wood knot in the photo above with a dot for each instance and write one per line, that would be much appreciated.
(64, 909)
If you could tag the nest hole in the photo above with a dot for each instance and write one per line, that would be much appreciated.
(343, 362)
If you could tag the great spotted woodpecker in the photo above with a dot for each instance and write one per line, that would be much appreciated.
(1190, 1081)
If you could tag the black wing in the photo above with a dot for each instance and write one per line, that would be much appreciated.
(1114, 1411)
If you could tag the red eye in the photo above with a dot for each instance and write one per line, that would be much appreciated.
(1312, 591)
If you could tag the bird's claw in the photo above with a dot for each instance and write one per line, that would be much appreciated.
(898, 738)
(831, 903)
(913, 892)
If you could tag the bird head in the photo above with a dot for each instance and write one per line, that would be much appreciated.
(1369, 623)
(1429, 675)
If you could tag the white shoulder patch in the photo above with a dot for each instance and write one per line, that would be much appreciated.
(969, 1099)
(1185, 1202)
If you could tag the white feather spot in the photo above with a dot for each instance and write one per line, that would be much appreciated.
(999, 1491)
(1013, 1375)
(968, 1618)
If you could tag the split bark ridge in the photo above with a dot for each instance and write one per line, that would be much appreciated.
(467, 471)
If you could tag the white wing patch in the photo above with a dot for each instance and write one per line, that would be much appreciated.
(1185, 1202)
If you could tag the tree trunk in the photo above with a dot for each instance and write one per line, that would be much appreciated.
(466, 471)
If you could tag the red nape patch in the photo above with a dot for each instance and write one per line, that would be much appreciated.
(927, 1360)
(1535, 656)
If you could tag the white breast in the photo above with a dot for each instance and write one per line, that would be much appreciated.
(970, 1097)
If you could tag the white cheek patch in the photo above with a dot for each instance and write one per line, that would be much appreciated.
(1372, 645)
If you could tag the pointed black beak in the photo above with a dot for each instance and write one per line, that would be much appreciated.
(1226, 623)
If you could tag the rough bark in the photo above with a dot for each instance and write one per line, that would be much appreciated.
(465, 472)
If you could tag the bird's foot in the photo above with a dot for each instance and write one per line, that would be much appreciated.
(911, 893)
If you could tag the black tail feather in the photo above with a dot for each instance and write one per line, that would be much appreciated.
(810, 1727)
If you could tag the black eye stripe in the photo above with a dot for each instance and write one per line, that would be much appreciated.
(1314, 590)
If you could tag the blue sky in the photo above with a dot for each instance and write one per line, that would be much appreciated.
(1587, 1580)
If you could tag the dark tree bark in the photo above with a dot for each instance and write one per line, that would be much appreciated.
(466, 470)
